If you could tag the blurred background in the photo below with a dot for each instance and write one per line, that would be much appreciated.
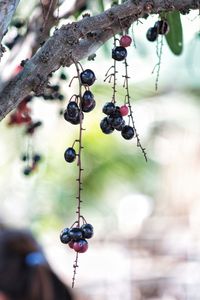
(146, 216)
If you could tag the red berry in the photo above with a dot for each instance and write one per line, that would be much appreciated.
(124, 110)
(80, 246)
(125, 41)
(71, 244)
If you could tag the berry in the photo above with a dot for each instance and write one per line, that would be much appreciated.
(75, 233)
(119, 53)
(127, 132)
(65, 236)
(106, 126)
(73, 120)
(125, 41)
(24, 157)
(80, 246)
(71, 244)
(70, 155)
(87, 230)
(124, 110)
(72, 109)
(152, 34)
(87, 102)
(121, 126)
(162, 27)
(116, 121)
(36, 158)
(63, 76)
(109, 108)
(27, 171)
(87, 77)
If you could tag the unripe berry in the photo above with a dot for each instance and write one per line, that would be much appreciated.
(124, 110)
(125, 41)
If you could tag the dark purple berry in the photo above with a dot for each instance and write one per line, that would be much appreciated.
(106, 126)
(72, 109)
(70, 155)
(116, 121)
(63, 76)
(127, 132)
(65, 236)
(162, 27)
(73, 120)
(24, 157)
(121, 126)
(27, 171)
(80, 246)
(87, 230)
(109, 108)
(75, 233)
(87, 77)
(87, 102)
(152, 34)
(36, 158)
(119, 53)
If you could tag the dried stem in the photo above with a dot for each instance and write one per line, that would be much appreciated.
(128, 102)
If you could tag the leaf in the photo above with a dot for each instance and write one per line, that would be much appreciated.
(101, 5)
(175, 35)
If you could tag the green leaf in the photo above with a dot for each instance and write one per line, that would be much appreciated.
(175, 35)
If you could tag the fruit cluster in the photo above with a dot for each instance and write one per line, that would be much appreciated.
(32, 162)
(76, 237)
(119, 53)
(114, 120)
(160, 27)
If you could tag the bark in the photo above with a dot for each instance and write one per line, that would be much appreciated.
(74, 41)
(7, 9)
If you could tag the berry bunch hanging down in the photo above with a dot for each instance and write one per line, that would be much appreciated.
(115, 114)
(160, 27)
(76, 236)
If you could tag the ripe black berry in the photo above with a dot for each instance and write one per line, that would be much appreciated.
(36, 157)
(109, 108)
(116, 121)
(121, 126)
(70, 155)
(65, 236)
(87, 102)
(119, 53)
(27, 171)
(87, 230)
(73, 120)
(63, 76)
(162, 27)
(152, 34)
(87, 77)
(80, 246)
(106, 126)
(75, 233)
(72, 109)
(127, 132)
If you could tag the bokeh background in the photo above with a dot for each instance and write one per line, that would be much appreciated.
(146, 215)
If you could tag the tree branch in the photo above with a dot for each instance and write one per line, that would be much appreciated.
(7, 9)
(76, 41)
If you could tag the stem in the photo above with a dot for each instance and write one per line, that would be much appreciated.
(128, 98)
(80, 169)
(114, 76)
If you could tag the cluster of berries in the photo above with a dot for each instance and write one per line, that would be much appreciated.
(114, 120)
(53, 91)
(119, 53)
(76, 237)
(75, 110)
(160, 27)
(32, 163)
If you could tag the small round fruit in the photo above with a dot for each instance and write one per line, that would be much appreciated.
(73, 120)
(87, 102)
(65, 236)
(27, 171)
(124, 110)
(70, 155)
(109, 108)
(80, 246)
(71, 244)
(75, 233)
(125, 41)
(87, 230)
(106, 126)
(152, 34)
(72, 109)
(36, 157)
(162, 27)
(116, 121)
(127, 132)
(121, 126)
(87, 77)
(119, 53)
